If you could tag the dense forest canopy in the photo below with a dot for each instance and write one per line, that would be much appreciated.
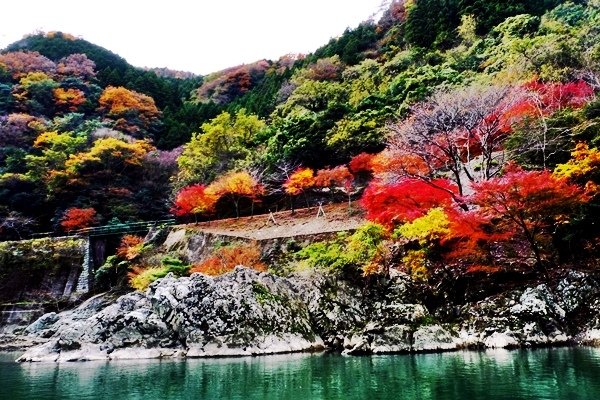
(441, 104)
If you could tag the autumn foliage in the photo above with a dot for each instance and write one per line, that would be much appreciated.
(130, 247)
(77, 218)
(404, 201)
(129, 109)
(339, 176)
(583, 168)
(300, 181)
(528, 204)
(362, 162)
(194, 200)
(236, 186)
(226, 258)
(68, 99)
(544, 99)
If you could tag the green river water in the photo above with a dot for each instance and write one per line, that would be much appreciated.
(561, 373)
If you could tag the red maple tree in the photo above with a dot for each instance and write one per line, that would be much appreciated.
(404, 201)
(527, 205)
(78, 218)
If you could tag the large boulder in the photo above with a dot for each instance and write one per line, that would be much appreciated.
(240, 313)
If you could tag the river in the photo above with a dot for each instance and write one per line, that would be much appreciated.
(561, 373)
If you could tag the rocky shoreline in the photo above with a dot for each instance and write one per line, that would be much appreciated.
(246, 313)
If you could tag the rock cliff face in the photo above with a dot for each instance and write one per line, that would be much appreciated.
(241, 313)
(250, 313)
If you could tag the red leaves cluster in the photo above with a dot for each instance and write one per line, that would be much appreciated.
(193, 200)
(546, 98)
(339, 176)
(512, 214)
(78, 218)
(406, 200)
(556, 96)
(362, 162)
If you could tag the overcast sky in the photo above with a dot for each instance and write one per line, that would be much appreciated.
(200, 36)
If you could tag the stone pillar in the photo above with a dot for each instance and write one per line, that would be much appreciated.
(85, 281)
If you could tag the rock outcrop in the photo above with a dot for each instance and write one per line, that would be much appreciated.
(250, 313)
(241, 313)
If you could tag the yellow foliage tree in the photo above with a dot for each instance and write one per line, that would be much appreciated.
(235, 186)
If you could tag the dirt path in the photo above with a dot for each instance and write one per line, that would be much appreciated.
(337, 217)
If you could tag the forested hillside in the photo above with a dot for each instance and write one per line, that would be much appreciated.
(473, 125)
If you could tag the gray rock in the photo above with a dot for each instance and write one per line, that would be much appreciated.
(43, 323)
(433, 338)
(394, 339)
(240, 313)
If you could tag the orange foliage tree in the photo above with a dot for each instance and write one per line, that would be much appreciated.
(131, 111)
(339, 176)
(236, 186)
(78, 218)
(68, 99)
(194, 200)
(299, 182)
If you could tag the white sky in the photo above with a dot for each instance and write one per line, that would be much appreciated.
(200, 36)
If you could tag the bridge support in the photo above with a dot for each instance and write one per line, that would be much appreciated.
(94, 255)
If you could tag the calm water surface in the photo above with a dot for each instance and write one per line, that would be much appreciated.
(565, 373)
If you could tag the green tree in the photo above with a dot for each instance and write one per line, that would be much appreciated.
(224, 140)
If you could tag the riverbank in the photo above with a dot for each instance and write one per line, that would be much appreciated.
(246, 313)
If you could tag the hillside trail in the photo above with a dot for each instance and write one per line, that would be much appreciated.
(282, 224)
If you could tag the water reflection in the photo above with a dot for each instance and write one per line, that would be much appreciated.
(534, 374)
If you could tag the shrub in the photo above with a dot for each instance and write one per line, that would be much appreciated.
(364, 250)
(141, 277)
(226, 258)
(130, 248)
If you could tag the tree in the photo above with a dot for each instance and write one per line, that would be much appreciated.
(336, 179)
(224, 141)
(35, 93)
(132, 112)
(332, 178)
(77, 218)
(108, 176)
(194, 200)
(236, 186)
(528, 204)
(583, 167)
(538, 137)
(77, 65)
(406, 200)
(461, 132)
(299, 182)
(19, 129)
(20, 63)
(68, 99)
(361, 163)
